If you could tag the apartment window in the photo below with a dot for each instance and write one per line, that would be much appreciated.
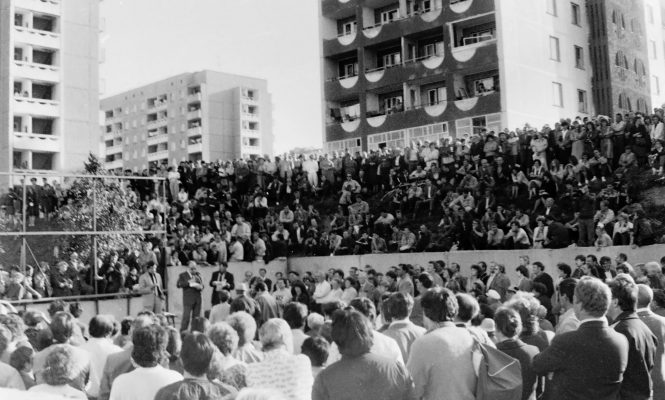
(388, 16)
(349, 69)
(579, 57)
(575, 11)
(392, 104)
(551, 7)
(650, 14)
(582, 103)
(653, 50)
(346, 26)
(557, 94)
(392, 59)
(436, 95)
(655, 84)
(555, 55)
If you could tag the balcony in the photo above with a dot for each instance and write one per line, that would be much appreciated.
(194, 96)
(35, 142)
(36, 71)
(41, 6)
(30, 106)
(115, 149)
(158, 155)
(195, 114)
(158, 138)
(36, 37)
(250, 116)
(157, 104)
(195, 148)
(194, 131)
(471, 34)
(112, 165)
(156, 123)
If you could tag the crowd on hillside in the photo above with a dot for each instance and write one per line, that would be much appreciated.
(573, 183)
(595, 331)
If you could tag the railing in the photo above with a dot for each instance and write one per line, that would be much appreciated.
(339, 78)
(408, 15)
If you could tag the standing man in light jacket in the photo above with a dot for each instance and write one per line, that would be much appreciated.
(150, 283)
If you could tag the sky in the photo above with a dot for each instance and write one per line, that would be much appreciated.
(277, 40)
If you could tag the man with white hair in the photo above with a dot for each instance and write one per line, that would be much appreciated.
(281, 371)
(656, 325)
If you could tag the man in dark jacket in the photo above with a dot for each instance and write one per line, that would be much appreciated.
(557, 233)
(191, 284)
(587, 363)
(221, 280)
(637, 383)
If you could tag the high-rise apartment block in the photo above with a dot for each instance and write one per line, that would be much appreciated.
(204, 115)
(655, 34)
(402, 71)
(49, 51)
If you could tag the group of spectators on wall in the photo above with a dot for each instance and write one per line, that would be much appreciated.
(597, 330)
(573, 183)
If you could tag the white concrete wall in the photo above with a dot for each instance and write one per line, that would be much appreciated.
(508, 258)
(526, 71)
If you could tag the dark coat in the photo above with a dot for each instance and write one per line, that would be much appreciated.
(524, 353)
(587, 363)
(642, 345)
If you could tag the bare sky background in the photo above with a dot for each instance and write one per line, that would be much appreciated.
(149, 40)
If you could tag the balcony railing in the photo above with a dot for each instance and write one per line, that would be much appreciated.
(408, 15)
(35, 141)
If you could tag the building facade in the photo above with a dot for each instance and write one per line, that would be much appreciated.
(49, 78)
(655, 33)
(619, 52)
(397, 72)
(204, 115)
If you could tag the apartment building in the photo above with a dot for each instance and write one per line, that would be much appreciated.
(654, 17)
(204, 115)
(619, 52)
(49, 79)
(397, 72)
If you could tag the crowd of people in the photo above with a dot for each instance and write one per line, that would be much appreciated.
(595, 331)
(570, 183)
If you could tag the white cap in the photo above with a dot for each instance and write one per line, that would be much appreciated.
(493, 294)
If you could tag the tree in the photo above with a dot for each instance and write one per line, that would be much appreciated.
(93, 166)
(115, 211)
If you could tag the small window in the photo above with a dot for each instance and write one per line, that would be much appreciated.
(575, 11)
(579, 57)
(436, 95)
(653, 49)
(392, 59)
(554, 49)
(551, 7)
(656, 84)
(650, 14)
(389, 16)
(557, 94)
(582, 103)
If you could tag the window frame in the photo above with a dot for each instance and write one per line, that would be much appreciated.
(576, 14)
(556, 48)
(557, 91)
